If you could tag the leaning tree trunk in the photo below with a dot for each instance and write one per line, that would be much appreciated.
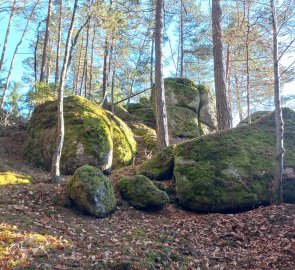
(161, 114)
(55, 168)
(277, 192)
(222, 104)
(44, 54)
(14, 56)
(7, 35)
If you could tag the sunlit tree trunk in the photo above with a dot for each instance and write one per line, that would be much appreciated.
(55, 168)
(223, 110)
(58, 44)
(277, 192)
(161, 114)
(44, 54)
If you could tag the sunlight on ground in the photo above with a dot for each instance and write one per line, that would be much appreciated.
(12, 178)
(17, 248)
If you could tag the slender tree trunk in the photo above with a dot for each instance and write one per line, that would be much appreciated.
(277, 192)
(91, 62)
(7, 35)
(238, 98)
(36, 52)
(58, 44)
(247, 64)
(227, 76)
(223, 110)
(152, 62)
(49, 63)
(105, 70)
(86, 59)
(78, 71)
(44, 55)
(14, 55)
(113, 85)
(181, 40)
(55, 169)
(161, 114)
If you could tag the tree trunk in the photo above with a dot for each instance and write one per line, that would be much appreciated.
(36, 52)
(247, 64)
(44, 54)
(55, 168)
(14, 55)
(91, 62)
(161, 114)
(58, 44)
(78, 71)
(277, 190)
(223, 111)
(105, 70)
(181, 39)
(238, 97)
(152, 63)
(7, 35)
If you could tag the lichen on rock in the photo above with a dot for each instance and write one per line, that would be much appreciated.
(91, 191)
(141, 193)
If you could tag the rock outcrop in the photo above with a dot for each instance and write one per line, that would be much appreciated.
(93, 136)
(190, 108)
(91, 191)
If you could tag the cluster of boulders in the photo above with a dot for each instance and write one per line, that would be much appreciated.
(225, 171)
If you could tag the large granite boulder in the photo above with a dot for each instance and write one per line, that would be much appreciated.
(232, 170)
(190, 108)
(91, 191)
(141, 193)
(93, 136)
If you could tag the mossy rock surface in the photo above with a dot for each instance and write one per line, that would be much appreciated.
(160, 166)
(91, 191)
(232, 170)
(149, 135)
(254, 116)
(141, 193)
(182, 122)
(190, 108)
(142, 113)
(93, 136)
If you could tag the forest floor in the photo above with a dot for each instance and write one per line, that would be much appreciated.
(39, 231)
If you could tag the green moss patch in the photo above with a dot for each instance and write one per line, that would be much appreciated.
(160, 166)
(231, 170)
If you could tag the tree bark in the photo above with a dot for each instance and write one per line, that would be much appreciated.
(277, 190)
(7, 35)
(91, 62)
(161, 114)
(55, 169)
(223, 110)
(44, 54)
(14, 56)
(58, 44)
(247, 64)
(181, 39)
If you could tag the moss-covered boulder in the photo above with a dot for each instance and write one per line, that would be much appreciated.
(254, 116)
(141, 193)
(149, 135)
(91, 191)
(233, 170)
(190, 108)
(160, 166)
(93, 136)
